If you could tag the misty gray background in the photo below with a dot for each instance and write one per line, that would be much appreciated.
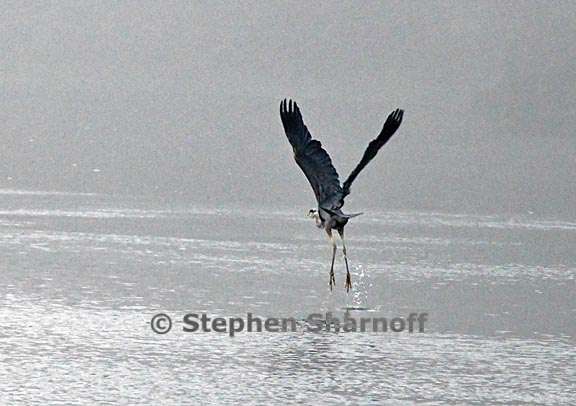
(179, 100)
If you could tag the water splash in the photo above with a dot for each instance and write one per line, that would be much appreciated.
(362, 283)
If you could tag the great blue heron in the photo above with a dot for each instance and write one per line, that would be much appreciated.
(317, 166)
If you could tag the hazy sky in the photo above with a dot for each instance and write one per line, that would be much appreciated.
(180, 100)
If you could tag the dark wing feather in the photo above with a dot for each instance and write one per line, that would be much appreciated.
(311, 157)
(390, 127)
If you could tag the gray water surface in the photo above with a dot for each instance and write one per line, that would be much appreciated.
(82, 275)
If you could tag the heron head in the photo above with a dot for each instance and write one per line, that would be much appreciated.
(316, 216)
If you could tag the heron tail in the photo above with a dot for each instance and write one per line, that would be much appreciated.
(348, 216)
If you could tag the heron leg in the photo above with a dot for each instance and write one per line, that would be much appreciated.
(348, 279)
(332, 279)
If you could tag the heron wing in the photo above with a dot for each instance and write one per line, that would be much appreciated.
(311, 157)
(390, 126)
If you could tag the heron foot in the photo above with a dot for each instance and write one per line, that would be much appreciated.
(332, 279)
(348, 282)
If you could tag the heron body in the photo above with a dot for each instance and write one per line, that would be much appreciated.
(322, 176)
